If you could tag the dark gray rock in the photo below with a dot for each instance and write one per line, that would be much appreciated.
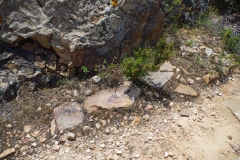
(9, 85)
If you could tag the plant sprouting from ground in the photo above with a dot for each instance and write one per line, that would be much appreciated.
(84, 69)
(146, 59)
(232, 42)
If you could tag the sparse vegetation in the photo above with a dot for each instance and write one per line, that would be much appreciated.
(146, 59)
(189, 43)
(85, 70)
(232, 42)
(200, 62)
(62, 81)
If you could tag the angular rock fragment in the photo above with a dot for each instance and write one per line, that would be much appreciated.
(186, 89)
(166, 67)
(158, 79)
(68, 115)
(7, 152)
(185, 113)
(209, 78)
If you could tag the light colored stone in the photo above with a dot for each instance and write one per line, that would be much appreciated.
(63, 139)
(136, 121)
(107, 131)
(27, 128)
(68, 115)
(34, 144)
(8, 125)
(148, 107)
(24, 148)
(185, 113)
(71, 136)
(170, 154)
(7, 152)
(165, 154)
(146, 117)
(88, 92)
(111, 99)
(115, 130)
(190, 80)
(53, 127)
(158, 79)
(96, 79)
(186, 89)
(166, 67)
(98, 126)
(208, 51)
(55, 147)
(119, 152)
(43, 137)
(35, 133)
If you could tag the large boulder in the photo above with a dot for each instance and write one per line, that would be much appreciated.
(84, 32)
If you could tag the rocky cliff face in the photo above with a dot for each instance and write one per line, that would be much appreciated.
(84, 32)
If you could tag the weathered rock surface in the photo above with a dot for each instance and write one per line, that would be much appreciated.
(122, 97)
(82, 32)
(68, 115)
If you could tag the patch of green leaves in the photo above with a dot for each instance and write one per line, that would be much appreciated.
(232, 42)
(84, 69)
(146, 59)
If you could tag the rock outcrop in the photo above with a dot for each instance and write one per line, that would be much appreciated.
(85, 32)
(82, 32)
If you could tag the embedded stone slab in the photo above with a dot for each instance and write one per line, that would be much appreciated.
(158, 79)
(233, 103)
(68, 115)
(186, 89)
(122, 97)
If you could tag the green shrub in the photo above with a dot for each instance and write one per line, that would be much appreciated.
(232, 42)
(146, 59)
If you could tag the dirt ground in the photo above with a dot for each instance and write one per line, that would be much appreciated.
(161, 124)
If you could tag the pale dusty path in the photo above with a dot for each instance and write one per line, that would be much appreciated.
(209, 133)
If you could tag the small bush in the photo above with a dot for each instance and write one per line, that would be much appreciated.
(232, 42)
(146, 59)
